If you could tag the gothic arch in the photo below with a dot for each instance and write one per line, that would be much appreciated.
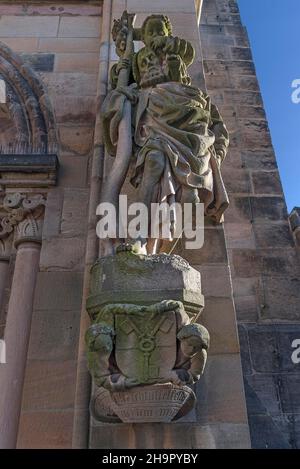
(28, 108)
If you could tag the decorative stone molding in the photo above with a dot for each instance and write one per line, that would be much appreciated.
(28, 104)
(28, 140)
(26, 170)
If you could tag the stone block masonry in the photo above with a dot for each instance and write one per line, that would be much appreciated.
(261, 249)
(61, 42)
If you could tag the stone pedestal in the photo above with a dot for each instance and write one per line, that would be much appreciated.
(144, 280)
(143, 347)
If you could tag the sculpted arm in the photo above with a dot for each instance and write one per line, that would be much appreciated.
(184, 48)
(220, 131)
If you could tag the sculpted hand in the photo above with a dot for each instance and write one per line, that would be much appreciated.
(123, 64)
(173, 45)
(158, 42)
(131, 383)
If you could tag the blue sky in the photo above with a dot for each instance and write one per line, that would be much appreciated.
(274, 32)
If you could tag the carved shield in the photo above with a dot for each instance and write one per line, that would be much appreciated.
(146, 345)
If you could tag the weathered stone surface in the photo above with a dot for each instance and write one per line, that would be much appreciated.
(241, 53)
(247, 308)
(28, 26)
(73, 171)
(49, 10)
(239, 236)
(136, 6)
(75, 207)
(237, 181)
(75, 109)
(220, 391)
(59, 9)
(268, 208)
(39, 62)
(87, 62)
(282, 296)
(255, 134)
(215, 280)
(57, 425)
(265, 433)
(156, 436)
(219, 317)
(54, 335)
(79, 27)
(68, 44)
(259, 159)
(49, 385)
(250, 112)
(271, 347)
(251, 262)
(213, 250)
(27, 44)
(289, 393)
(70, 84)
(76, 139)
(239, 210)
(244, 98)
(54, 203)
(245, 352)
(217, 52)
(246, 263)
(246, 286)
(63, 253)
(266, 388)
(265, 353)
(268, 235)
(266, 182)
(67, 287)
(147, 281)
(232, 67)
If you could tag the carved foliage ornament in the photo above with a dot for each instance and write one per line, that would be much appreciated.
(21, 213)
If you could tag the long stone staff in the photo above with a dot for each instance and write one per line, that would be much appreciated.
(120, 167)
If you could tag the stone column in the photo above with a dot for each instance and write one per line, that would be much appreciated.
(5, 250)
(18, 324)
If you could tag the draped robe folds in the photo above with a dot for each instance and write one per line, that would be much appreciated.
(179, 122)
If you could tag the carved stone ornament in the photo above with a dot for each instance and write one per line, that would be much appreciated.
(21, 215)
(145, 354)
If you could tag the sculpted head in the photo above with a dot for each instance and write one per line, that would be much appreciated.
(99, 337)
(155, 25)
(193, 338)
(119, 34)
